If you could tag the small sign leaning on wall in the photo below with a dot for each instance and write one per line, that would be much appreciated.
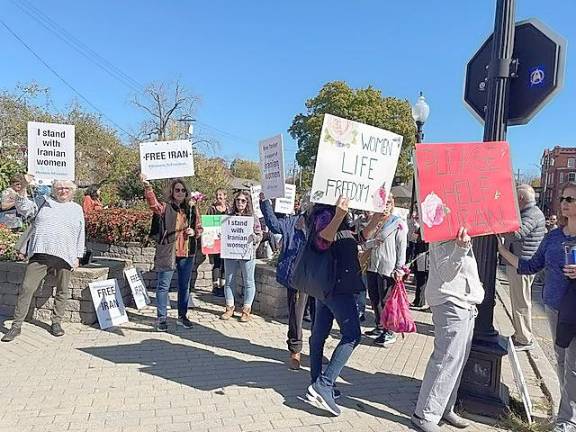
(137, 287)
(108, 303)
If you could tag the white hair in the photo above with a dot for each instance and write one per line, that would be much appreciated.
(526, 192)
(64, 183)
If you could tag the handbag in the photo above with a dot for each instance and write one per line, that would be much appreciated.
(396, 315)
(314, 271)
(22, 243)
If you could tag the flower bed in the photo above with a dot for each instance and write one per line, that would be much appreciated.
(118, 225)
(8, 241)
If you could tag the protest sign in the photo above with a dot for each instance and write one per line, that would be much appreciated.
(286, 205)
(166, 159)
(255, 194)
(465, 185)
(108, 303)
(237, 237)
(519, 380)
(211, 237)
(401, 213)
(51, 148)
(357, 161)
(137, 287)
(272, 167)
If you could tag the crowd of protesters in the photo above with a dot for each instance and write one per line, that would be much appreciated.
(369, 253)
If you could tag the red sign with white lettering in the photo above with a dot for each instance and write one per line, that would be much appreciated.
(465, 184)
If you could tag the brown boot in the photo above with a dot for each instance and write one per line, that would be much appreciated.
(245, 314)
(228, 314)
(295, 361)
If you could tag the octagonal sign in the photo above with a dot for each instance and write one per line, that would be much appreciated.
(541, 57)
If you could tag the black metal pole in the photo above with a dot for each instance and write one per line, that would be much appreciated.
(419, 139)
(481, 389)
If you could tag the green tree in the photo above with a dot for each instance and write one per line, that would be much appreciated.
(211, 174)
(245, 169)
(365, 105)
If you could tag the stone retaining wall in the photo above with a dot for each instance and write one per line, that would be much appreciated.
(79, 307)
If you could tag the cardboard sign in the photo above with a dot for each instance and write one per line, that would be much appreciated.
(237, 237)
(212, 235)
(255, 194)
(166, 159)
(272, 167)
(465, 184)
(357, 161)
(51, 148)
(519, 380)
(286, 205)
(108, 303)
(137, 287)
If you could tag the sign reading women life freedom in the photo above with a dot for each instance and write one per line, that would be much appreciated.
(272, 167)
(357, 161)
(468, 185)
(51, 151)
(166, 159)
(237, 237)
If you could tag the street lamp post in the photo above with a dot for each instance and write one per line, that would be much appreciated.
(420, 113)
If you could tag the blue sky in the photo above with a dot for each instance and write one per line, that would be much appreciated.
(254, 63)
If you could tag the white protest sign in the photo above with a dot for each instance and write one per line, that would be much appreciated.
(272, 167)
(108, 303)
(237, 237)
(519, 380)
(255, 194)
(166, 159)
(137, 287)
(51, 151)
(401, 213)
(357, 161)
(286, 205)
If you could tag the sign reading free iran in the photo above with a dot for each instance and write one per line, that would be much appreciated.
(357, 161)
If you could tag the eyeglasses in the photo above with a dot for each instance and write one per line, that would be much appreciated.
(568, 199)
(63, 189)
(241, 200)
(179, 190)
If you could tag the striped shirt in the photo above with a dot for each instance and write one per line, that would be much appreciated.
(58, 228)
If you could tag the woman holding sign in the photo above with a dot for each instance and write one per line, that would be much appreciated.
(176, 227)
(557, 256)
(242, 207)
(219, 207)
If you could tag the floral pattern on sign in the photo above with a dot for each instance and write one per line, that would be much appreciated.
(340, 132)
(433, 210)
(379, 197)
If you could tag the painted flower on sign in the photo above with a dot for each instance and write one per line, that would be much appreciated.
(380, 197)
(433, 210)
(339, 131)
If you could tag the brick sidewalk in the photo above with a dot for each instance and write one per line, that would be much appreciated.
(219, 376)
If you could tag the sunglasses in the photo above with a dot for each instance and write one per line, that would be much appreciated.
(568, 199)
(241, 200)
(179, 190)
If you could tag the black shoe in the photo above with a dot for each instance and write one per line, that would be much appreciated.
(362, 317)
(385, 339)
(184, 322)
(162, 326)
(57, 330)
(218, 292)
(373, 332)
(307, 318)
(12, 334)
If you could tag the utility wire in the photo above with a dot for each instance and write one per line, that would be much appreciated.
(84, 98)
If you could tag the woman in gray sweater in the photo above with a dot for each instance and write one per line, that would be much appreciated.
(56, 243)
(453, 291)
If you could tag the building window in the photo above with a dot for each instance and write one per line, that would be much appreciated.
(550, 178)
(572, 177)
(552, 162)
(571, 163)
(561, 179)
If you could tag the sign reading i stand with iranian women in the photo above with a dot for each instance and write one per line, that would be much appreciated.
(237, 237)
(357, 161)
(272, 167)
(108, 303)
(166, 159)
(467, 185)
(51, 151)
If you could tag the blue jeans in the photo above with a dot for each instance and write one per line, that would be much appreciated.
(247, 268)
(184, 267)
(341, 307)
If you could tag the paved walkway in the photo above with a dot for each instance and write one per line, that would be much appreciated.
(219, 376)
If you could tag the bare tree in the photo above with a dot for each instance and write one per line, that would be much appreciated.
(166, 104)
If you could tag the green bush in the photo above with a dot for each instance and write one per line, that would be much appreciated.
(8, 241)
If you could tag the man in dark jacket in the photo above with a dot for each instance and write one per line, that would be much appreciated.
(524, 244)
(292, 229)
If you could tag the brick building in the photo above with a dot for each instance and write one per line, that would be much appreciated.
(558, 166)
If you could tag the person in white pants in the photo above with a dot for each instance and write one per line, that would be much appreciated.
(453, 291)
